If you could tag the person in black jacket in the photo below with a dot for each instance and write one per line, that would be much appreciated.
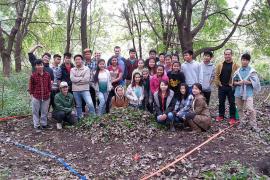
(45, 59)
(65, 70)
(164, 103)
(176, 77)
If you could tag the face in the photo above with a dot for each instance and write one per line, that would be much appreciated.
(57, 60)
(206, 58)
(183, 90)
(228, 55)
(244, 62)
(196, 90)
(152, 55)
(64, 89)
(168, 61)
(78, 61)
(46, 59)
(162, 58)
(137, 78)
(163, 86)
(117, 51)
(152, 63)
(97, 55)
(140, 64)
(87, 56)
(132, 55)
(101, 65)
(160, 71)
(145, 75)
(187, 57)
(114, 61)
(39, 67)
(67, 60)
(176, 67)
(175, 59)
(120, 91)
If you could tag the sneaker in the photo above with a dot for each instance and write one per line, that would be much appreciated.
(58, 125)
(219, 118)
(38, 129)
(232, 121)
(172, 128)
(46, 127)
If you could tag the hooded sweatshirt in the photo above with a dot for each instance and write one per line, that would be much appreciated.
(119, 102)
(207, 75)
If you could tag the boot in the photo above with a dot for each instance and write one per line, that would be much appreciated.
(59, 126)
(193, 126)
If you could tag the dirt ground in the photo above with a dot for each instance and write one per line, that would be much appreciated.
(108, 151)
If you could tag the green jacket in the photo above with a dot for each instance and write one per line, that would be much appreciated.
(63, 103)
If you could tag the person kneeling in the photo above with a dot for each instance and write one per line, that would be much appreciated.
(199, 119)
(119, 100)
(164, 103)
(63, 106)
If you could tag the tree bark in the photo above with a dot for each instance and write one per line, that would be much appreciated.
(67, 49)
(18, 52)
(84, 5)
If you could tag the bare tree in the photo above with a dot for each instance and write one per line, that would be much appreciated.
(70, 22)
(6, 48)
(84, 5)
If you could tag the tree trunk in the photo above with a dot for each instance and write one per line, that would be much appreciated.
(84, 5)
(67, 49)
(6, 59)
(18, 51)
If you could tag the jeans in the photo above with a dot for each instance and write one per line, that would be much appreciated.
(85, 95)
(42, 107)
(102, 102)
(223, 93)
(207, 95)
(62, 116)
(170, 118)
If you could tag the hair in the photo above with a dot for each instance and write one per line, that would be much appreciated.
(246, 56)
(176, 55)
(87, 50)
(228, 49)
(132, 50)
(210, 53)
(168, 55)
(160, 54)
(159, 89)
(133, 79)
(98, 69)
(198, 85)
(162, 68)
(38, 62)
(46, 54)
(78, 55)
(116, 47)
(190, 52)
(67, 54)
(183, 96)
(152, 51)
(56, 56)
(145, 70)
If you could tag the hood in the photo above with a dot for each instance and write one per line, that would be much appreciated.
(119, 86)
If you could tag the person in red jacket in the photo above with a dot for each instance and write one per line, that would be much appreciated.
(40, 89)
(132, 64)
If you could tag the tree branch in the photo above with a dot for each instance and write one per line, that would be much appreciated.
(195, 31)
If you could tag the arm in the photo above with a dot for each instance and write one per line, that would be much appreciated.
(187, 105)
(33, 49)
(86, 77)
(212, 75)
(152, 85)
(200, 105)
(157, 109)
(171, 106)
(217, 75)
(59, 105)
(129, 94)
(73, 78)
(31, 85)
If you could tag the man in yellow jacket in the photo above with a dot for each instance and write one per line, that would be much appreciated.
(223, 80)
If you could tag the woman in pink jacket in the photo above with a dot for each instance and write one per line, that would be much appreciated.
(161, 75)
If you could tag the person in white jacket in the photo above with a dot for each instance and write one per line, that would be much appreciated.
(103, 85)
(135, 91)
(79, 76)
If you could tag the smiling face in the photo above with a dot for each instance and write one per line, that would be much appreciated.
(162, 58)
(120, 91)
(163, 87)
(228, 55)
(117, 51)
(195, 90)
(101, 65)
(67, 60)
(175, 59)
(152, 63)
(137, 78)
(57, 60)
(244, 62)
(78, 61)
(206, 58)
(132, 55)
(168, 61)
(140, 64)
(183, 90)
(160, 71)
(64, 90)
(145, 74)
(46, 59)
(187, 57)
(114, 61)
(87, 56)
(176, 67)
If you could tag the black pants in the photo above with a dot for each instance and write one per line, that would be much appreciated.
(109, 99)
(207, 95)
(62, 116)
(53, 93)
(93, 96)
(223, 93)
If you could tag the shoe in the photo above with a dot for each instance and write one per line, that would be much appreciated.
(46, 127)
(38, 129)
(232, 121)
(172, 128)
(219, 118)
(59, 125)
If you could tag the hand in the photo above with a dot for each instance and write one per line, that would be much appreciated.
(164, 116)
(246, 82)
(161, 117)
(240, 82)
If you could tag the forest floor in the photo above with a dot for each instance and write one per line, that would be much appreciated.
(130, 145)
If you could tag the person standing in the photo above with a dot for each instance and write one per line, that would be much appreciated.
(40, 89)
(191, 69)
(207, 75)
(176, 77)
(152, 55)
(79, 76)
(57, 74)
(246, 82)
(223, 80)
(66, 67)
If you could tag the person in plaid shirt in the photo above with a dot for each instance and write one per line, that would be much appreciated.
(40, 90)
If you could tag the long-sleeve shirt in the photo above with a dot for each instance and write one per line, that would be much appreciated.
(40, 85)
(207, 75)
(191, 71)
(80, 78)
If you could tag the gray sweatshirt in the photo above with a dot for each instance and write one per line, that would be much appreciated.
(191, 71)
(207, 74)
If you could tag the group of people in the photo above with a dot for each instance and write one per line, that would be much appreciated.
(174, 92)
